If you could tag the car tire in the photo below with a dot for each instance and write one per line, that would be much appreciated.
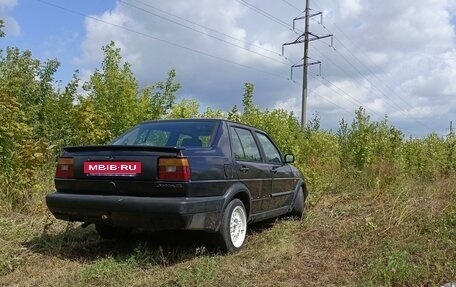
(233, 228)
(109, 232)
(298, 204)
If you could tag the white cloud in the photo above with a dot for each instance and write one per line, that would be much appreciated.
(8, 3)
(350, 8)
(100, 33)
(407, 52)
(12, 27)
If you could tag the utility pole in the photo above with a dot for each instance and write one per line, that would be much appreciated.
(451, 129)
(305, 68)
(304, 38)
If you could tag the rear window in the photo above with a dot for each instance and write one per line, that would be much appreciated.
(170, 134)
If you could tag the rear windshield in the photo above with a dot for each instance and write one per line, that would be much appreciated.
(170, 134)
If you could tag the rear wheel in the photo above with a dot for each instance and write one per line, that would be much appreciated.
(298, 205)
(233, 228)
(107, 231)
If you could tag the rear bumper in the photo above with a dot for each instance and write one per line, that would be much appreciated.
(144, 212)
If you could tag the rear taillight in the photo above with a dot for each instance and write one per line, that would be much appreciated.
(64, 167)
(174, 169)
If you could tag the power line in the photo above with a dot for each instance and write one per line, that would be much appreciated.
(355, 79)
(293, 6)
(206, 27)
(376, 89)
(359, 61)
(265, 14)
(367, 89)
(343, 93)
(161, 40)
(312, 92)
(201, 32)
(328, 100)
(359, 72)
(392, 103)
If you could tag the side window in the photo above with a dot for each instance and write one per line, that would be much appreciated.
(270, 151)
(238, 151)
(244, 146)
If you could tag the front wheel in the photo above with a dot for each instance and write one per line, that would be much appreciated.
(233, 228)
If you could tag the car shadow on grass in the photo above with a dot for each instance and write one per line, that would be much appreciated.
(164, 248)
(161, 248)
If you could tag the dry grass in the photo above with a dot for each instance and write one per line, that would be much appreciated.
(403, 235)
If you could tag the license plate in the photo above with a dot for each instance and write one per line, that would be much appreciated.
(112, 168)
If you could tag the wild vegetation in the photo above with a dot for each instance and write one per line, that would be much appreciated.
(381, 210)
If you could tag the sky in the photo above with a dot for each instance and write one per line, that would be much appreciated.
(393, 57)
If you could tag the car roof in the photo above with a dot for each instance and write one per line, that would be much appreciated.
(204, 119)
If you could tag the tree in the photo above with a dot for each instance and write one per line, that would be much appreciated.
(251, 114)
(31, 83)
(156, 101)
(2, 34)
(185, 109)
(234, 114)
(112, 94)
(59, 111)
(213, 114)
(247, 99)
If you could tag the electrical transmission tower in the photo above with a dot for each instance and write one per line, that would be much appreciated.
(305, 38)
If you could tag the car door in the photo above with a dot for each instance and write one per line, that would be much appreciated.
(250, 167)
(282, 189)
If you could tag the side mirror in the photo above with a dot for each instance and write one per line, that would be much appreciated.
(289, 158)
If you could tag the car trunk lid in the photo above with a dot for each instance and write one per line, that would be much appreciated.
(114, 169)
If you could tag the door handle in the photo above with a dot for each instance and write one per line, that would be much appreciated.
(274, 169)
(244, 169)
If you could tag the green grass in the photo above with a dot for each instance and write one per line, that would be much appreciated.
(355, 235)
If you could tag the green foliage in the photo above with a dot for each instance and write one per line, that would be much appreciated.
(281, 125)
(203, 273)
(115, 103)
(10, 255)
(430, 157)
(185, 109)
(251, 114)
(234, 114)
(2, 33)
(365, 142)
(112, 93)
(163, 99)
(18, 73)
(104, 272)
(37, 119)
(14, 132)
(213, 114)
(363, 158)
(395, 268)
(156, 101)
(26, 91)
(318, 157)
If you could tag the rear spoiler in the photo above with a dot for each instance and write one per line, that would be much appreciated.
(71, 149)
